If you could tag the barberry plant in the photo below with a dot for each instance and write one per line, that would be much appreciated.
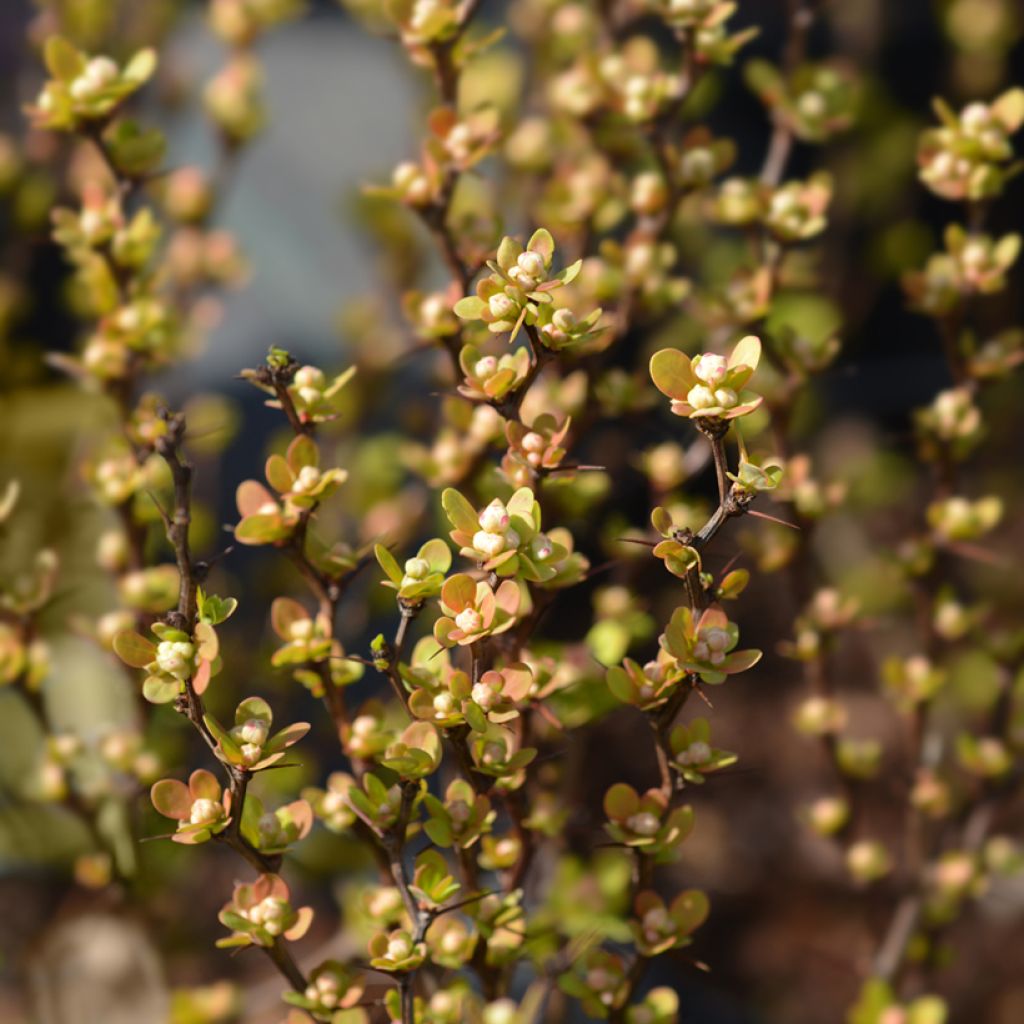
(469, 613)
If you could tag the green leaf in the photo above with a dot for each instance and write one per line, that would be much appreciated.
(62, 60)
(160, 689)
(460, 513)
(387, 562)
(279, 474)
(141, 67)
(671, 373)
(134, 650)
(470, 307)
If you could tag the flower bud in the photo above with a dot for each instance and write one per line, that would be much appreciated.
(710, 368)
(494, 518)
(469, 620)
(206, 812)
(176, 658)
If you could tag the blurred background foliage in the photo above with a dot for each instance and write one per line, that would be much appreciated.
(326, 263)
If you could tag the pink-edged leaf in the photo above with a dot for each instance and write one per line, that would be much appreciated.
(285, 612)
(301, 926)
(458, 592)
(201, 680)
(746, 353)
(740, 661)
(303, 452)
(288, 736)
(251, 496)
(671, 373)
(171, 798)
(203, 785)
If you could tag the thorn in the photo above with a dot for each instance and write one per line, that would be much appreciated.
(774, 519)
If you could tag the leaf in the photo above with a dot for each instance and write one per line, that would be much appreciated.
(437, 555)
(285, 612)
(460, 513)
(201, 680)
(303, 452)
(690, 910)
(621, 801)
(542, 242)
(208, 646)
(1008, 109)
(253, 708)
(251, 497)
(171, 798)
(470, 307)
(671, 373)
(387, 562)
(141, 67)
(62, 60)
(203, 785)
(746, 353)
(160, 689)
(279, 474)
(134, 650)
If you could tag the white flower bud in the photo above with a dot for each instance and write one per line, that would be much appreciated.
(494, 518)
(205, 812)
(417, 568)
(175, 657)
(485, 696)
(643, 823)
(469, 620)
(701, 397)
(488, 365)
(364, 726)
(444, 704)
(710, 368)
(726, 398)
(532, 264)
(310, 377)
(307, 480)
(490, 544)
(564, 319)
(399, 947)
(501, 307)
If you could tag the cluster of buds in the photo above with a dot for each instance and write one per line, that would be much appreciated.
(472, 610)
(241, 22)
(461, 819)
(598, 980)
(973, 264)
(709, 386)
(260, 913)
(645, 686)
(200, 808)
(85, 90)
(967, 156)
(645, 821)
(416, 753)
(796, 210)
(331, 805)
(302, 485)
(273, 832)
(816, 102)
(519, 286)
(176, 659)
(912, 681)
(658, 928)
(693, 756)
(396, 951)
(249, 743)
(491, 378)
(234, 99)
(376, 804)
(420, 577)
(533, 449)
(431, 314)
(960, 519)
(498, 752)
(332, 987)
(704, 644)
(952, 420)
(307, 638)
